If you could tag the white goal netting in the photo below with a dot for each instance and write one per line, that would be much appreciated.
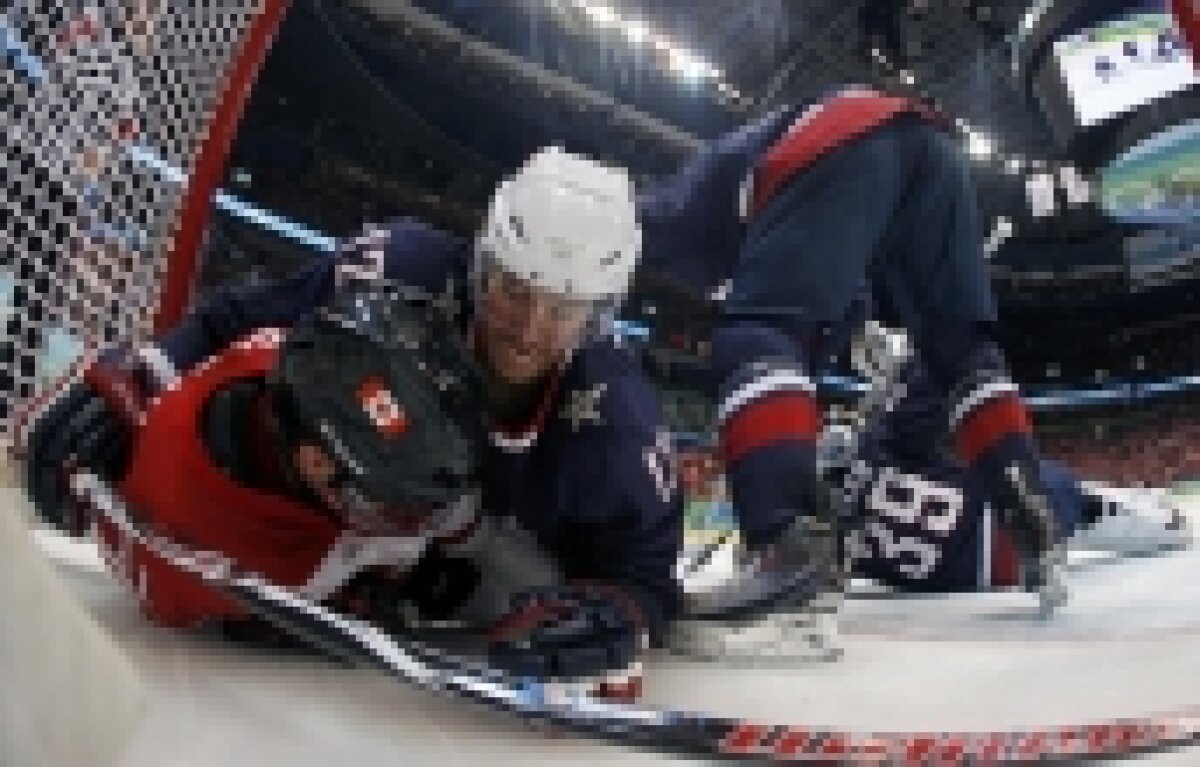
(117, 118)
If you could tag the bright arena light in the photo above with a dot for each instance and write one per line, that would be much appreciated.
(729, 91)
(601, 14)
(690, 68)
(979, 145)
(683, 62)
(637, 32)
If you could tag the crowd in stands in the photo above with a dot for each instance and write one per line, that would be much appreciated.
(1146, 444)
(1141, 457)
(326, 145)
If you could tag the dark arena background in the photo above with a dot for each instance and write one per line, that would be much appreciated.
(154, 150)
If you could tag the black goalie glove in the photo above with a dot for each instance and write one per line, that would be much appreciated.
(438, 585)
(567, 632)
(88, 423)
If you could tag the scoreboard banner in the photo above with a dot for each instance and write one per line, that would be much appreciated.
(1120, 64)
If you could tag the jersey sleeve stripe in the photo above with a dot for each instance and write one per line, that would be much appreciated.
(761, 387)
(818, 131)
(989, 424)
(784, 417)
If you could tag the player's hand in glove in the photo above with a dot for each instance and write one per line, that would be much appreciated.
(588, 636)
(438, 585)
(87, 422)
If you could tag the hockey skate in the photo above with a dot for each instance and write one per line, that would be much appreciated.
(1130, 523)
(779, 602)
(1028, 515)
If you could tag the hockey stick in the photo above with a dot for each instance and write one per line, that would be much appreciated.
(705, 555)
(670, 731)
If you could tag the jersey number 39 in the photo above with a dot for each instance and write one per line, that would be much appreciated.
(909, 518)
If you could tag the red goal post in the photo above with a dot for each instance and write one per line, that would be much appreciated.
(120, 115)
(1187, 16)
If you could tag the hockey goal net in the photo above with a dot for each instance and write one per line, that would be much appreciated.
(118, 120)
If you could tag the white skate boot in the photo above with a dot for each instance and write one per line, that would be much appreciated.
(1132, 522)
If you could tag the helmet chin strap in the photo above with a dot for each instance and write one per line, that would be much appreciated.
(509, 402)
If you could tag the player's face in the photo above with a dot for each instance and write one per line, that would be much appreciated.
(525, 331)
(320, 474)
(318, 471)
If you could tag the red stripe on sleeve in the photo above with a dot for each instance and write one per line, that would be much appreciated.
(989, 424)
(791, 417)
(841, 119)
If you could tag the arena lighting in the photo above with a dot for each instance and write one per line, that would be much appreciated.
(1024, 29)
(979, 145)
(637, 32)
(693, 70)
(1002, 230)
(729, 90)
(691, 67)
(601, 14)
(1076, 186)
(683, 62)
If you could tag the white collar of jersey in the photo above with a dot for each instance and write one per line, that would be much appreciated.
(521, 439)
(520, 443)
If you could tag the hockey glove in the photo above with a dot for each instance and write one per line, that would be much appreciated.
(438, 585)
(568, 633)
(87, 422)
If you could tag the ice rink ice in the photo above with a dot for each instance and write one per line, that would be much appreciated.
(1128, 645)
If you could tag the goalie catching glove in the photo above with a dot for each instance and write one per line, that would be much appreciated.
(88, 422)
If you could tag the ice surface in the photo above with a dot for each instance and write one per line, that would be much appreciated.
(1128, 645)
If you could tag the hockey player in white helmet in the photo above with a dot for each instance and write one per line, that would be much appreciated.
(554, 261)
(576, 470)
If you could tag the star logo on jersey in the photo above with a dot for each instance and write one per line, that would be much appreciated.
(446, 302)
(445, 380)
(583, 406)
(381, 407)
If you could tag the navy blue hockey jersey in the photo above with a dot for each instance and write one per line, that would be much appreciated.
(928, 524)
(791, 221)
(932, 529)
(591, 477)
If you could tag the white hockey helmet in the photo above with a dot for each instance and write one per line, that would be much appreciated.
(567, 225)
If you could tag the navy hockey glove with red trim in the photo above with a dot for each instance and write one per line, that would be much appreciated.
(568, 632)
